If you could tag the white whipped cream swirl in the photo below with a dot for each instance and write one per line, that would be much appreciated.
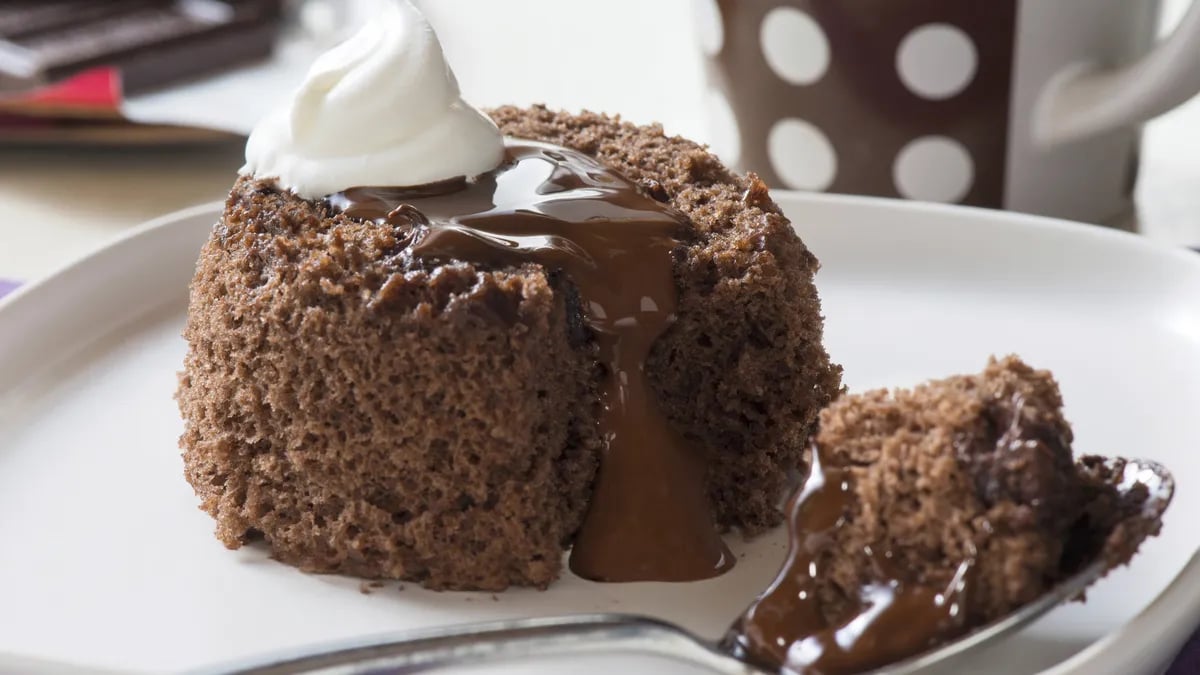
(383, 108)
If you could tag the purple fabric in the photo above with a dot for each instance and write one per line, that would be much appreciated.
(7, 287)
(1188, 661)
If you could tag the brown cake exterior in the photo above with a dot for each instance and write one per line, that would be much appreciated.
(972, 467)
(371, 414)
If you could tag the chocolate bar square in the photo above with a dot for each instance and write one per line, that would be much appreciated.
(152, 42)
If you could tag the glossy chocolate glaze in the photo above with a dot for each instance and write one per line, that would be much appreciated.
(649, 518)
(790, 625)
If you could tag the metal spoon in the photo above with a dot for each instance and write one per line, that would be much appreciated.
(422, 651)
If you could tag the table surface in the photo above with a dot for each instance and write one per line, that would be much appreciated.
(57, 204)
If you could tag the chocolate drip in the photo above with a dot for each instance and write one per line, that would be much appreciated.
(891, 619)
(649, 517)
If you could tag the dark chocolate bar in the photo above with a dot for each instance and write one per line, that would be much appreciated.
(151, 42)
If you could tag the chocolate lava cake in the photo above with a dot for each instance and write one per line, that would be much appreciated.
(366, 413)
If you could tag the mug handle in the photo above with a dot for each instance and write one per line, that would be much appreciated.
(1085, 100)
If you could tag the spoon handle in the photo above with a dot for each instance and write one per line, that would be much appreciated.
(430, 650)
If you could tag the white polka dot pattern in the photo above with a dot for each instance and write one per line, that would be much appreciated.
(709, 27)
(935, 169)
(873, 99)
(937, 61)
(794, 46)
(725, 138)
(801, 155)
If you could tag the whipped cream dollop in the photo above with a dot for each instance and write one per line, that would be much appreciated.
(381, 109)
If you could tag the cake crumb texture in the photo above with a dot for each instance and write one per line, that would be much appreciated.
(974, 467)
(368, 413)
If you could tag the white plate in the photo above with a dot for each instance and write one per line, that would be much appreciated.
(107, 562)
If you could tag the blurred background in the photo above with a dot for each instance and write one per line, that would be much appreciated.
(87, 150)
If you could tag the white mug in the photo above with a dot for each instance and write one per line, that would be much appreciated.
(1028, 105)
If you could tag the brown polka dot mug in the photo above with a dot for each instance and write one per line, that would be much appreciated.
(1029, 105)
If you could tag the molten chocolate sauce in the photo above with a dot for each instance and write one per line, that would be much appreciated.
(891, 619)
(649, 517)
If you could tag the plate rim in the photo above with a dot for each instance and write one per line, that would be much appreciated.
(1154, 624)
(73, 264)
